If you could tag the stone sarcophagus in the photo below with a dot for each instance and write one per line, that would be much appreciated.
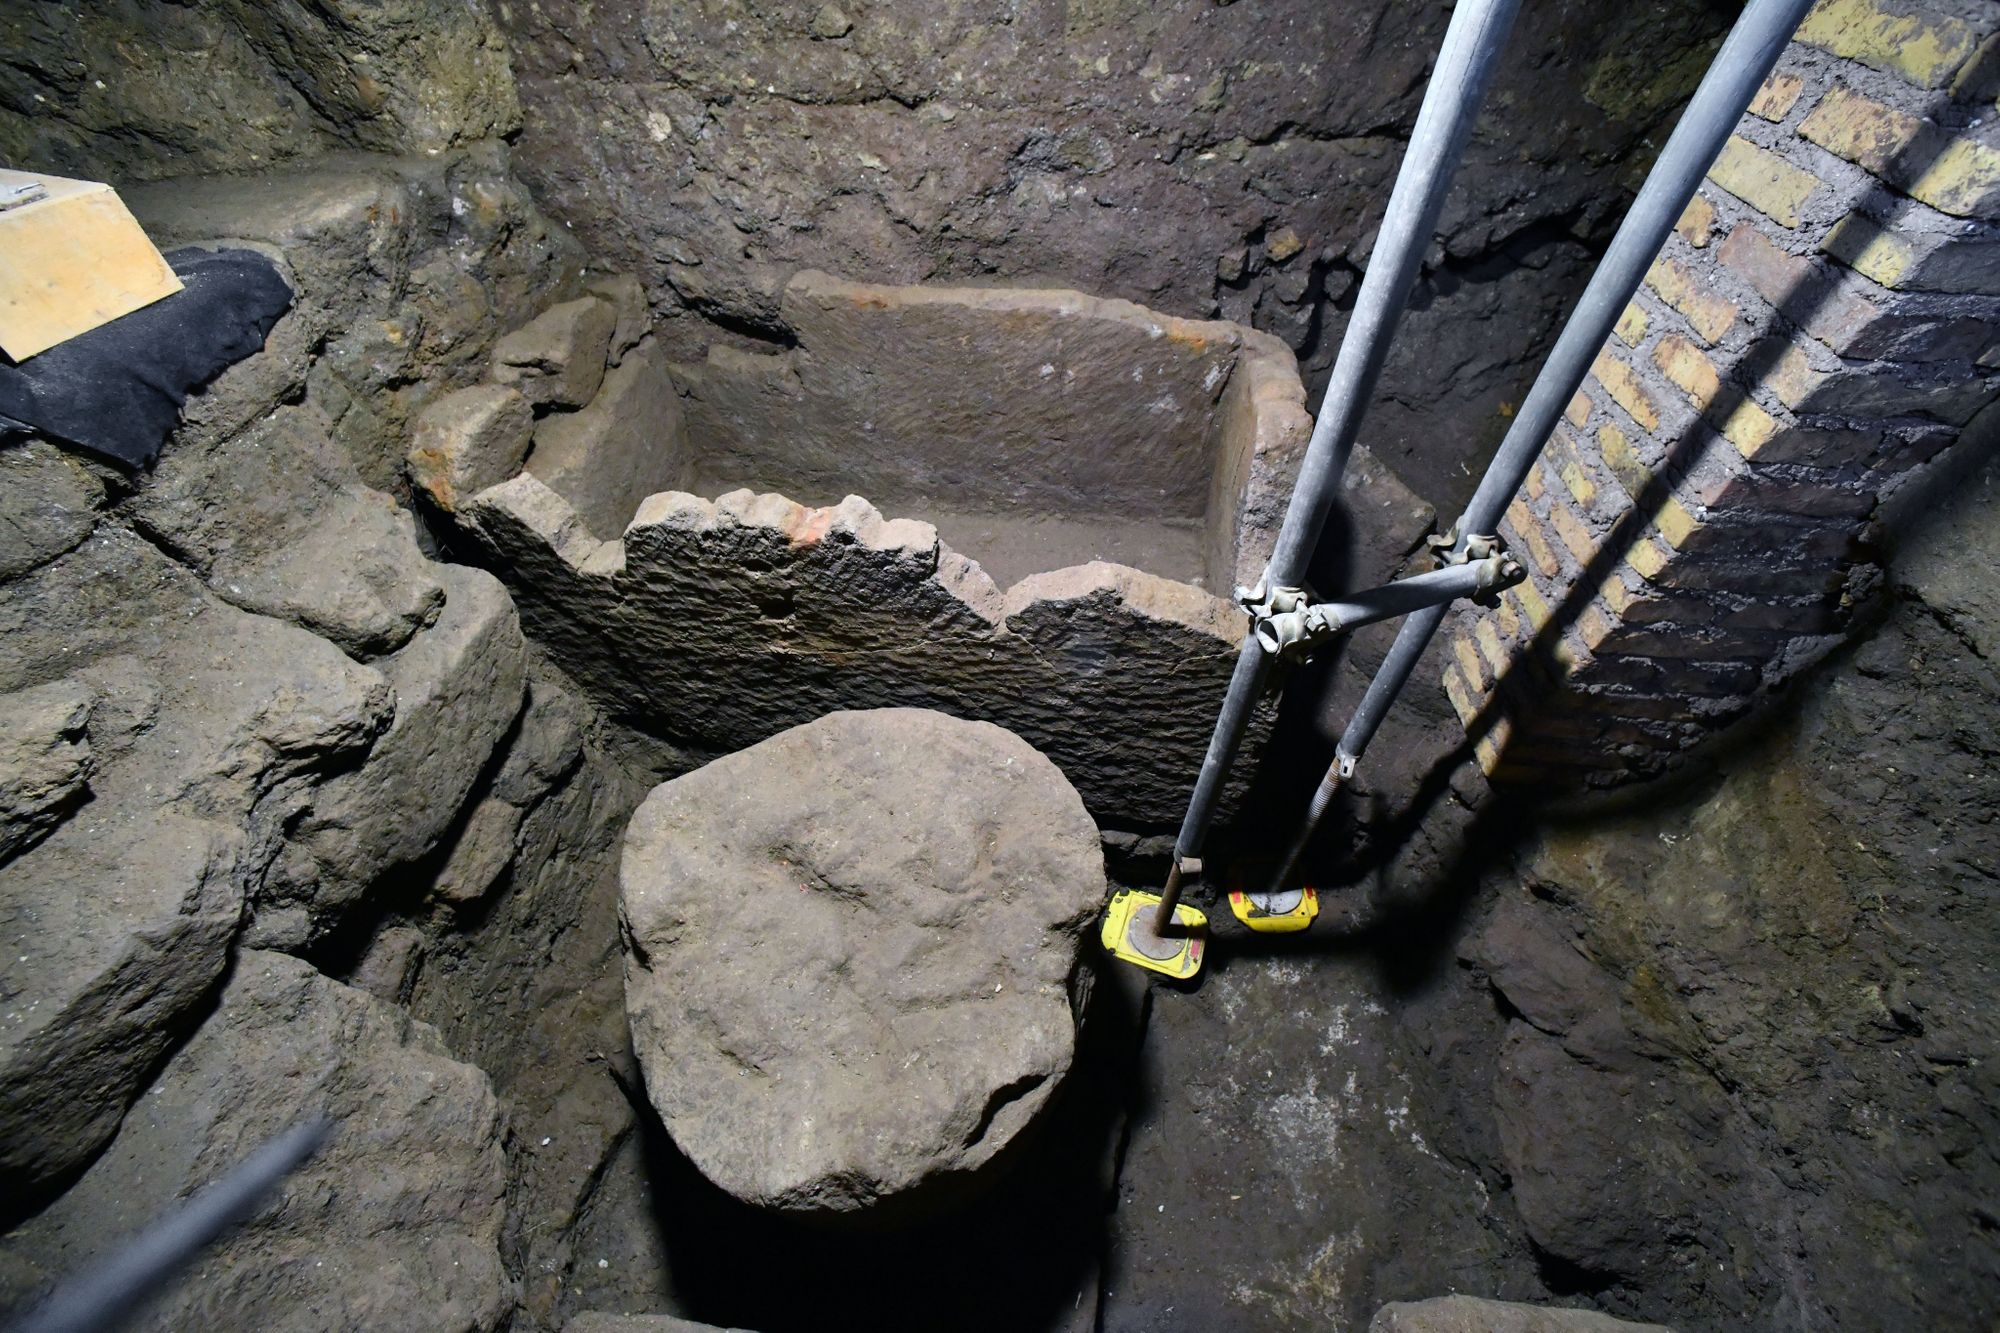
(1072, 482)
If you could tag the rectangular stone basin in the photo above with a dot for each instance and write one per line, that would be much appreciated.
(1055, 486)
(1035, 429)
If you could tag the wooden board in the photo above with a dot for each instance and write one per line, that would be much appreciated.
(71, 261)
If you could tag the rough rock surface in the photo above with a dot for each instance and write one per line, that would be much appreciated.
(458, 688)
(558, 357)
(522, 973)
(45, 759)
(1155, 151)
(1289, 1168)
(627, 443)
(852, 955)
(468, 440)
(1746, 1077)
(1470, 1314)
(282, 700)
(48, 504)
(627, 296)
(393, 1224)
(103, 91)
(592, 1321)
(205, 723)
(717, 624)
(406, 268)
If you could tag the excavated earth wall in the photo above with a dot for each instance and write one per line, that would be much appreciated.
(300, 814)
(257, 739)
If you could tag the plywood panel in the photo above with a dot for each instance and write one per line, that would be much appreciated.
(71, 261)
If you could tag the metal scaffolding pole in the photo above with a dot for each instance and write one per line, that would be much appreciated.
(1465, 65)
(1738, 70)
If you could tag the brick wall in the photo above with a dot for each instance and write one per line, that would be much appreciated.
(1824, 320)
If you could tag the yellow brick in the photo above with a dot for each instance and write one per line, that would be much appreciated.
(1578, 410)
(1747, 426)
(1962, 180)
(1594, 626)
(1495, 652)
(1625, 389)
(1793, 377)
(1979, 76)
(1535, 486)
(1529, 529)
(1697, 222)
(1925, 48)
(1763, 180)
(1460, 694)
(1578, 483)
(1575, 533)
(1563, 659)
(1616, 449)
(1508, 619)
(1710, 315)
(1869, 250)
(1631, 325)
(1675, 522)
(1777, 97)
(1469, 661)
(1958, 176)
(1648, 559)
(1685, 364)
(1487, 751)
(1616, 594)
(1861, 129)
(1534, 607)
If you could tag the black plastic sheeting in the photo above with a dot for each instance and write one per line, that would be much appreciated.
(117, 390)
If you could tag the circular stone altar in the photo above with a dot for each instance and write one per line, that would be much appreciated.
(852, 952)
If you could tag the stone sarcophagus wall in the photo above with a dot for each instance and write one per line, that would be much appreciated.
(1112, 465)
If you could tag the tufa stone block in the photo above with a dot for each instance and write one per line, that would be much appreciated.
(468, 440)
(634, 314)
(558, 357)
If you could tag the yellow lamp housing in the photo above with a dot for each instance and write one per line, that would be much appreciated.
(1130, 935)
(1278, 913)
